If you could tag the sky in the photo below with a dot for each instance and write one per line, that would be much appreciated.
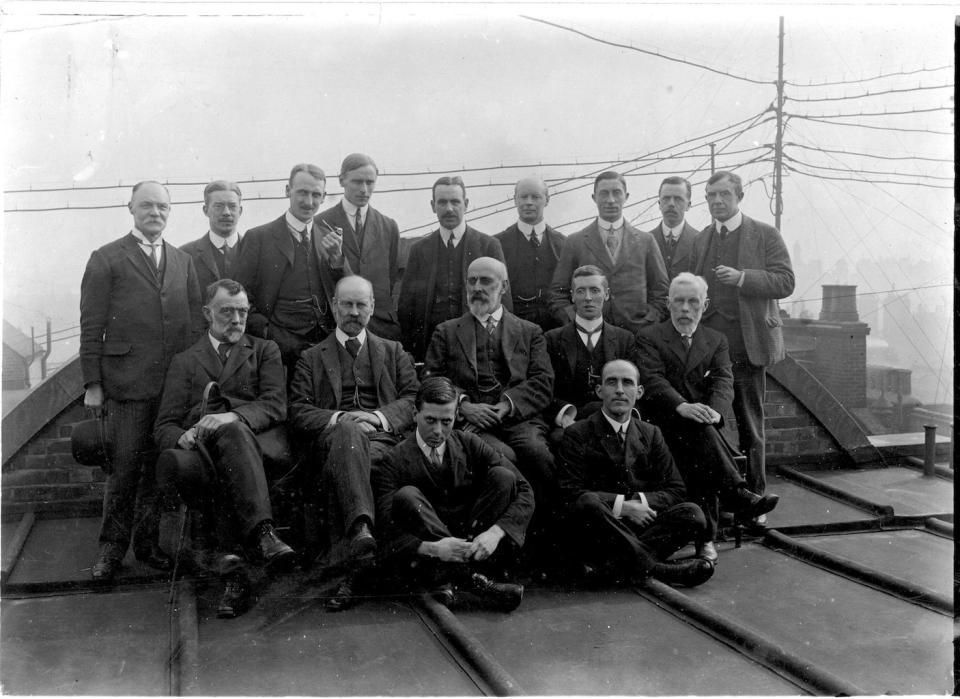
(187, 93)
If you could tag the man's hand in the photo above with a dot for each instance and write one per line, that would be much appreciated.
(93, 398)
(637, 512)
(188, 440)
(486, 543)
(480, 415)
(449, 549)
(567, 419)
(368, 422)
(727, 275)
(331, 241)
(209, 424)
(503, 408)
(698, 412)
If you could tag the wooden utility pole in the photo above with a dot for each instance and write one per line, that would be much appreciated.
(778, 151)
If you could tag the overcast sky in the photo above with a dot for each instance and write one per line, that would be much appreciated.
(91, 101)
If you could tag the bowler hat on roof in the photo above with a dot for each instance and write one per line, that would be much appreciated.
(91, 445)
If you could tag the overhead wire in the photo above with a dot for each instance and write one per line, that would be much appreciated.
(794, 144)
(868, 79)
(871, 126)
(867, 94)
(866, 172)
(792, 168)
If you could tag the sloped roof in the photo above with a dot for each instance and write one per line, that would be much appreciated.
(18, 342)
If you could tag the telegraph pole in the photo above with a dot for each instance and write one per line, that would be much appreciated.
(778, 152)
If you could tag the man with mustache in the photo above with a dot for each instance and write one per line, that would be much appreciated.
(579, 350)
(235, 427)
(674, 235)
(432, 290)
(352, 398)
(500, 365)
(531, 249)
(215, 255)
(629, 258)
(289, 268)
(453, 509)
(747, 268)
(371, 240)
(689, 386)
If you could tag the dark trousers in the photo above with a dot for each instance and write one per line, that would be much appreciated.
(706, 464)
(345, 456)
(749, 388)
(231, 490)
(131, 502)
(413, 513)
(627, 547)
(525, 445)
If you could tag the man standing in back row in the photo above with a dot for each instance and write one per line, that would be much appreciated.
(629, 258)
(215, 254)
(531, 250)
(289, 268)
(433, 288)
(674, 235)
(370, 239)
(747, 268)
(139, 306)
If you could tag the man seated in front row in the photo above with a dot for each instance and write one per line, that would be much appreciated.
(229, 431)
(451, 508)
(579, 349)
(687, 372)
(352, 397)
(500, 364)
(624, 496)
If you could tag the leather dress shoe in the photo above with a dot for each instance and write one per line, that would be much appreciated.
(108, 563)
(272, 552)
(445, 595)
(708, 552)
(689, 572)
(504, 597)
(343, 597)
(153, 556)
(363, 546)
(748, 504)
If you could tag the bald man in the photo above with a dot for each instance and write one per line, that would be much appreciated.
(370, 239)
(352, 398)
(531, 249)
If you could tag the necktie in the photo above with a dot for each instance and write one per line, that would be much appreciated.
(491, 325)
(358, 229)
(589, 333)
(154, 254)
(723, 233)
(223, 349)
(353, 347)
(672, 243)
(435, 460)
(687, 341)
(622, 435)
(229, 255)
(450, 243)
(534, 240)
(612, 242)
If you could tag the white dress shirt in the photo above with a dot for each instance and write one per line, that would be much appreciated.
(457, 234)
(621, 427)
(146, 246)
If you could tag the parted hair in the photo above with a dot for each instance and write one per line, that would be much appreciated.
(447, 180)
(610, 175)
(734, 180)
(312, 170)
(233, 288)
(221, 186)
(357, 160)
(437, 390)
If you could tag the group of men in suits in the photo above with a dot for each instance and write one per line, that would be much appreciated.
(523, 326)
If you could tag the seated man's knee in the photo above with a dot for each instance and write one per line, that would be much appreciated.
(502, 478)
(233, 430)
(407, 499)
(588, 502)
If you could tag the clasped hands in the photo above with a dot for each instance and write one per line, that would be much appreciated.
(638, 512)
(455, 549)
(368, 422)
(481, 416)
(204, 428)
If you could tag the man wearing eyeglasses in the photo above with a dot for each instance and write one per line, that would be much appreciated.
(352, 398)
(215, 255)
(499, 363)
(230, 429)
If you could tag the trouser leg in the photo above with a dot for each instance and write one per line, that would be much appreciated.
(241, 480)
(749, 388)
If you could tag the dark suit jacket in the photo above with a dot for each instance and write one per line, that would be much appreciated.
(205, 260)
(469, 458)
(562, 346)
(683, 256)
(420, 280)
(511, 239)
(764, 259)
(591, 460)
(251, 385)
(670, 375)
(638, 281)
(377, 262)
(131, 325)
(453, 353)
(266, 256)
(316, 389)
